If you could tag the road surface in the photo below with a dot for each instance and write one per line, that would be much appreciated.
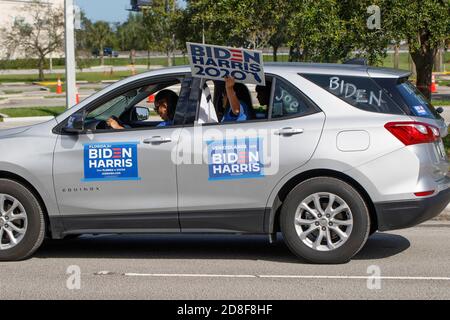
(412, 264)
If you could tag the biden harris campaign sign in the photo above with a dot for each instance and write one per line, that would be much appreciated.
(235, 158)
(216, 62)
(110, 161)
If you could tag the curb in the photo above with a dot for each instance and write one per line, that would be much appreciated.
(28, 119)
(22, 97)
(14, 84)
(109, 81)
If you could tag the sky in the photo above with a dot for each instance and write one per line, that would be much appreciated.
(107, 10)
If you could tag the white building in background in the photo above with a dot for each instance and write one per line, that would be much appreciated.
(13, 9)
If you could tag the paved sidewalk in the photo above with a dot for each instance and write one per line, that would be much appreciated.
(9, 125)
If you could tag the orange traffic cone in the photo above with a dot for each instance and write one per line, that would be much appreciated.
(59, 86)
(77, 96)
(151, 98)
(433, 88)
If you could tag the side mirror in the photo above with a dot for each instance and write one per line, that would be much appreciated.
(140, 113)
(75, 124)
(440, 110)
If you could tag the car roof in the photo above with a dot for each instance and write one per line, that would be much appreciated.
(336, 69)
(312, 68)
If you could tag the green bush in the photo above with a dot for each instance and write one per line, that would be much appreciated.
(29, 63)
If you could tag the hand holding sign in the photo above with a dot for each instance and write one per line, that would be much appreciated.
(229, 82)
(231, 96)
(216, 62)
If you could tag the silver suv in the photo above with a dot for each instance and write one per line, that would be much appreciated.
(328, 155)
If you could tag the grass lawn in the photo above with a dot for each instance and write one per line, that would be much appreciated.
(39, 111)
(33, 111)
(404, 61)
(85, 76)
(440, 102)
(12, 91)
(443, 82)
(55, 97)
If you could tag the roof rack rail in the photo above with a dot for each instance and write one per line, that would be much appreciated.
(359, 61)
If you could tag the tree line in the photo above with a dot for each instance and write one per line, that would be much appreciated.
(313, 30)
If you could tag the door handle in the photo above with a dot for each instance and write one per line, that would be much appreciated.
(157, 140)
(288, 131)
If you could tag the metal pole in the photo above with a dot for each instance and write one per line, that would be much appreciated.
(203, 31)
(70, 54)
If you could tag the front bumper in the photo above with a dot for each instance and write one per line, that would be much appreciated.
(405, 214)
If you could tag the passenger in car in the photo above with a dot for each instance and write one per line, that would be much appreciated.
(165, 104)
(236, 101)
(263, 94)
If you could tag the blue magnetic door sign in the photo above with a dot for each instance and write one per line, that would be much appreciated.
(110, 161)
(235, 159)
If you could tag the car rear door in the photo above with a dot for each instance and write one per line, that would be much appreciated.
(226, 171)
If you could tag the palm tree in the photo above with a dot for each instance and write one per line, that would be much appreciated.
(130, 35)
(100, 34)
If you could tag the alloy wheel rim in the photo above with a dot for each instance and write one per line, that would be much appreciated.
(323, 221)
(13, 222)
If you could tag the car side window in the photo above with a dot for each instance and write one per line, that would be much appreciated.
(360, 92)
(288, 101)
(159, 104)
(254, 98)
(113, 107)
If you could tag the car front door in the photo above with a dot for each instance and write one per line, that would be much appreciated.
(118, 180)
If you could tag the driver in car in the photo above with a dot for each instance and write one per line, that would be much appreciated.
(165, 104)
(114, 123)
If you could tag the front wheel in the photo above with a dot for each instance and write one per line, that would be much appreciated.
(22, 224)
(325, 220)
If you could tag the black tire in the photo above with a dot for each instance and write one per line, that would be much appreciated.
(361, 220)
(35, 232)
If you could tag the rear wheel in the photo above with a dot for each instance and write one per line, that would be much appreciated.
(22, 224)
(325, 220)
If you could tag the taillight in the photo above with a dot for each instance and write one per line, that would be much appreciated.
(424, 193)
(413, 132)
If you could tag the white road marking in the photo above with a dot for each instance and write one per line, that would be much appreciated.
(190, 275)
(356, 277)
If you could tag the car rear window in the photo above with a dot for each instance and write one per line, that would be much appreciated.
(409, 97)
(360, 92)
